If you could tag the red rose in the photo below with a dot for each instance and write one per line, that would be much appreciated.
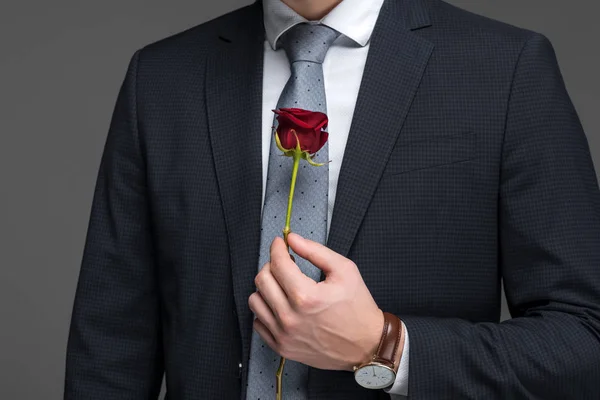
(308, 126)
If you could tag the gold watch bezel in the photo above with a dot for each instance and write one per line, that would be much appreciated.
(374, 363)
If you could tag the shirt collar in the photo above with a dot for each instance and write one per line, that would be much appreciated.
(354, 19)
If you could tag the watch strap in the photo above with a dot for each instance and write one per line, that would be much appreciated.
(389, 342)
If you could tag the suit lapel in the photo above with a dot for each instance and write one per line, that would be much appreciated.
(395, 65)
(234, 109)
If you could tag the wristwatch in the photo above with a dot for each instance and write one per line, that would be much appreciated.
(380, 371)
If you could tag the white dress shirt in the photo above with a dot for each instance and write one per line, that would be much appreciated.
(343, 69)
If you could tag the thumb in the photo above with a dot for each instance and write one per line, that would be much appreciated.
(319, 255)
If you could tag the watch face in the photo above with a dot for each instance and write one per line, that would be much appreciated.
(375, 376)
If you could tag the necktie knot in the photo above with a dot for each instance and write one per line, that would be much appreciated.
(307, 42)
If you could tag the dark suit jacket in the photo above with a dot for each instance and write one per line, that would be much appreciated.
(466, 163)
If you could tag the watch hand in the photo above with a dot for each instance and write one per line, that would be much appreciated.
(373, 368)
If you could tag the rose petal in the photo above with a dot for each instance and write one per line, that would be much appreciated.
(303, 118)
(308, 126)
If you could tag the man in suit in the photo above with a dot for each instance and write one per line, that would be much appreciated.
(457, 160)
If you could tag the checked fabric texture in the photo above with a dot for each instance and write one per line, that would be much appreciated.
(305, 46)
(487, 174)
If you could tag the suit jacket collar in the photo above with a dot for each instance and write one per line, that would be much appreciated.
(395, 64)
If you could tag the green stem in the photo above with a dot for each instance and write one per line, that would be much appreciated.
(288, 217)
(286, 231)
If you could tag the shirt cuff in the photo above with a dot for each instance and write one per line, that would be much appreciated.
(400, 386)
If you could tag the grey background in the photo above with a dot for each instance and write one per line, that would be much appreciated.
(61, 65)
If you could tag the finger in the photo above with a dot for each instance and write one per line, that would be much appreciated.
(263, 312)
(319, 255)
(265, 334)
(286, 272)
(271, 291)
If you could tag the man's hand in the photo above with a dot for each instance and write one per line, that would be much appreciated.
(334, 324)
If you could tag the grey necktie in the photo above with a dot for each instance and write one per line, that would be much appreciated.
(305, 45)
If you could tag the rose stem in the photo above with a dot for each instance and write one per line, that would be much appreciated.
(278, 376)
(288, 216)
(286, 231)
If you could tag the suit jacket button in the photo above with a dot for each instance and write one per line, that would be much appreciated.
(239, 370)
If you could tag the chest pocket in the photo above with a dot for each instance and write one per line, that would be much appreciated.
(429, 153)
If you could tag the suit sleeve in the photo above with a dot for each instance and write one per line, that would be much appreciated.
(114, 345)
(549, 233)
